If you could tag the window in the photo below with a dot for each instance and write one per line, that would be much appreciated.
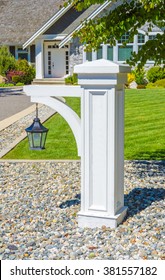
(49, 63)
(23, 56)
(100, 53)
(124, 53)
(89, 56)
(12, 50)
(67, 61)
(110, 53)
(141, 38)
(141, 41)
(125, 38)
(22, 53)
(152, 37)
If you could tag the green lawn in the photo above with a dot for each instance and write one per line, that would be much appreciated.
(144, 130)
(145, 124)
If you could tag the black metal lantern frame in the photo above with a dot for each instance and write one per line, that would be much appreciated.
(36, 133)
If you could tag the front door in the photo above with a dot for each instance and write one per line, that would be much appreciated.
(56, 61)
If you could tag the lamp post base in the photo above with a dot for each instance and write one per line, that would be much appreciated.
(92, 220)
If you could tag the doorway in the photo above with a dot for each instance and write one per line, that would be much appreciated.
(56, 61)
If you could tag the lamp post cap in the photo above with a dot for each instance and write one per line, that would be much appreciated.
(101, 66)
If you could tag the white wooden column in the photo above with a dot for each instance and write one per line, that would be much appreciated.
(102, 130)
(115, 52)
(94, 55)
(39, 59)
(104, 51)
(135, 44)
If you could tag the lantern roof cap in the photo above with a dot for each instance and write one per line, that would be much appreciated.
(36, 126)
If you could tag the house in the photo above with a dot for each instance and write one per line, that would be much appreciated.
(42, 32)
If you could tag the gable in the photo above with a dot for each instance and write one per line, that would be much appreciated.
(70, 20)
(62, 23)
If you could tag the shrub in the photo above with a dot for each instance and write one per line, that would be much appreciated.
(7, 61)
(72, 80)
(139, 76)
(2, 84)
(150, 85)
(28, 70)
(15, 76)
(155, 73)
(160, 83)
(19, 84)
(157, 84)
(15, 79)
(6, 85)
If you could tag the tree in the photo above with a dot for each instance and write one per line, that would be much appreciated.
(128, 15)
(7, 61)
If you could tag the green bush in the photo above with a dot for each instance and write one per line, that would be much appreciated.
(155, 73)
(16, 79)
(28, 70)
(71, 80)
(160, 83)
(7, 61)
(19, 84)
(157, 84)
(150, 85)
(139, 76)
(6, 85)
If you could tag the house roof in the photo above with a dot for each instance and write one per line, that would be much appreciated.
(20, 19)
(77, 25)
(62, 22)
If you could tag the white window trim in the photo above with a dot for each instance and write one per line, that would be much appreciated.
(134, 44)
(22, 51)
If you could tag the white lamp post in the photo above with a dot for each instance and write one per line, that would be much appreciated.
(102, 130)
(99, 136)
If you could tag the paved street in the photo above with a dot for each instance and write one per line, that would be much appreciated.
(12, 102)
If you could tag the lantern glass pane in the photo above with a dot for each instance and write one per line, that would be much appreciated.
(30, 139)
(37, 140)
(43, 140)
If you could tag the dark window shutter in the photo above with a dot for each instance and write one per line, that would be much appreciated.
(12, 50)
(32, 53)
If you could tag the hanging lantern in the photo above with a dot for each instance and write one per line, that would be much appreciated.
(36, 133)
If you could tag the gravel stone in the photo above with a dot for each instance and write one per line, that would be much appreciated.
(39, 203)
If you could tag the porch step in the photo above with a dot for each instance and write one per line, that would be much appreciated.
(49, 81)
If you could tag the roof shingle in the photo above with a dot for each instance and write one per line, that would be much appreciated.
(20, 19)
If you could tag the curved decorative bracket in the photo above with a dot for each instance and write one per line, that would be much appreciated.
(67, 113)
